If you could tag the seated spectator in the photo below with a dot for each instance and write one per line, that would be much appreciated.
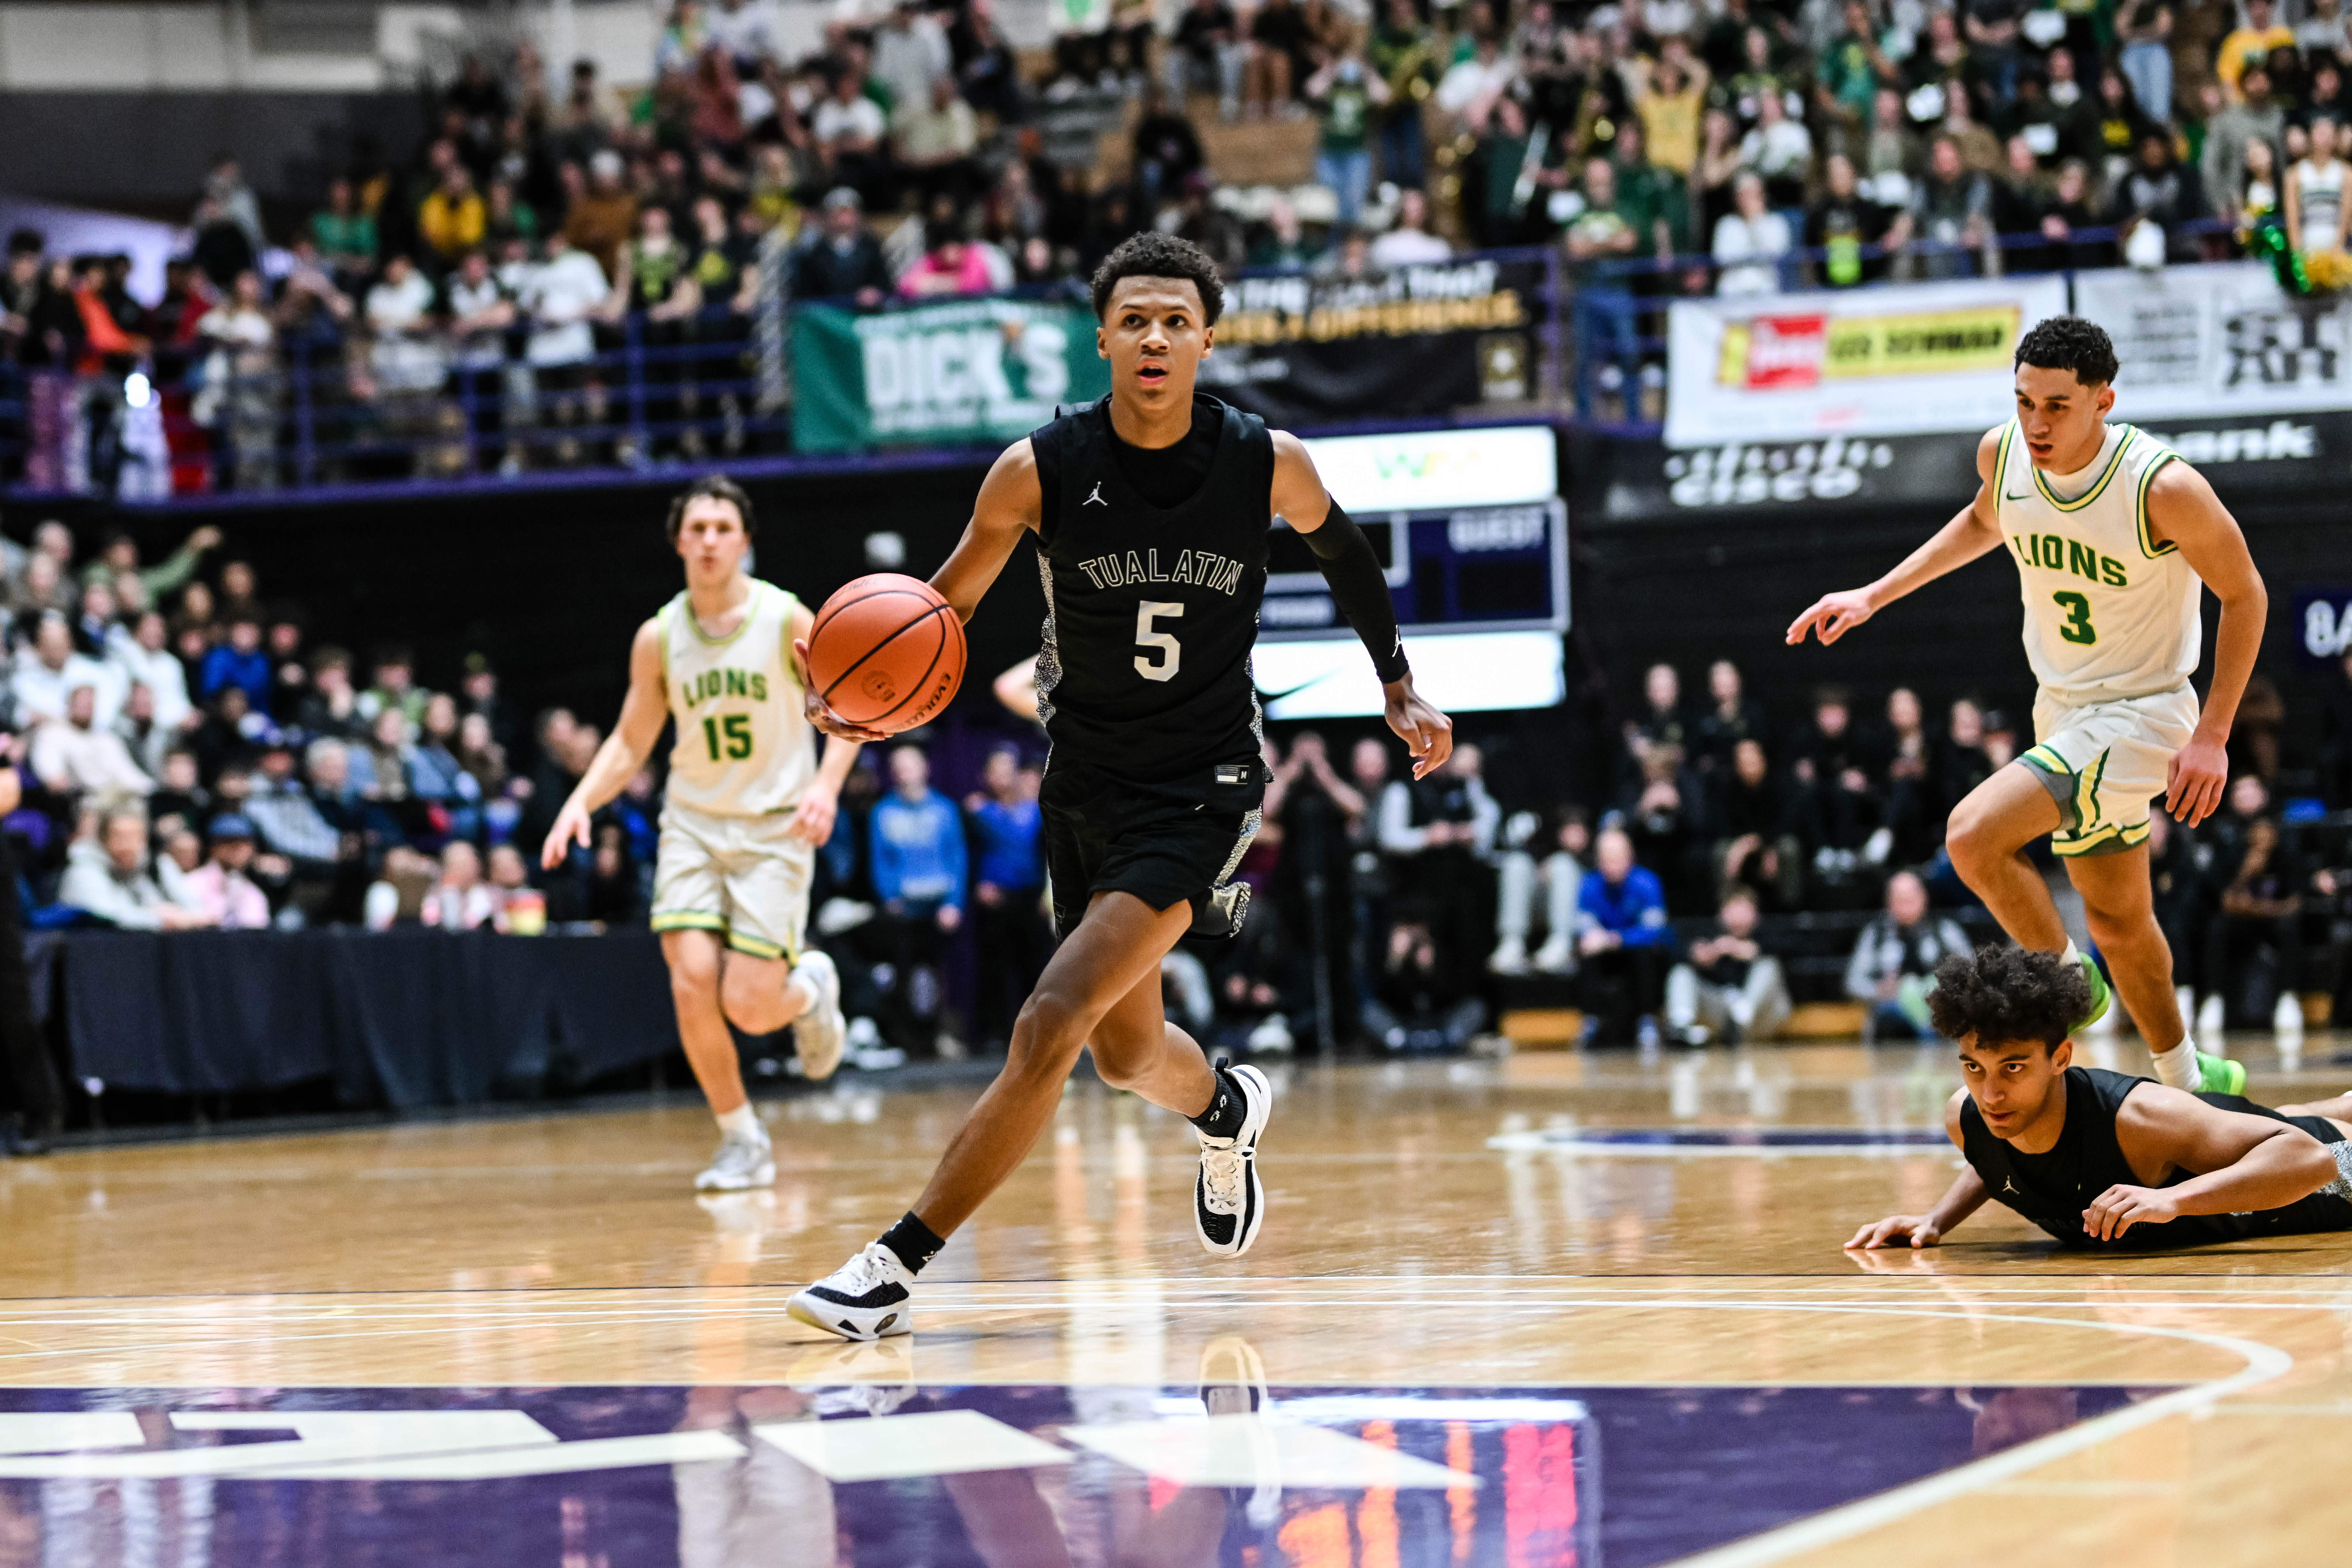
(72, 754)
(935, 138)
(452, 220)
(181, 857)
(1780, 150)
(1732, 716)
(845, 262)
(1952, 207)
(952, 266)
(220, 890)
(344, 233)
(305, 823)
(2254, 944)
(1011, 934)
(2178, 866)
(239, 662)
(107, 877)
(140, 654)
(459, 901)
(1561, 873)
(179, 791)
(848, 127)
(1409, 242)
(2248, 47)
(48, 673)
(1893, 963)
(1728, 987)
(2160, 191)
(1624, 944)
(120, 554)
(1750, 242)
(1906, 761)
(1419, 1000)
(918, 864)
(1206, 54)
(1749, 819)
(1279, 37)
(600, 218)
(397, 895)
(1666, 821)
(395, 685)
(331, 708)
(1662, 724)
(1843, 221)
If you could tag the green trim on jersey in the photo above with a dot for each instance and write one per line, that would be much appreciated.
(750, 608)
(2115, 466)
(2000, 470)
(2139, 507)
(752, 947)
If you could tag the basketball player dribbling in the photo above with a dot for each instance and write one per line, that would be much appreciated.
(746, 806)
(1152, 510)
(2113, 537)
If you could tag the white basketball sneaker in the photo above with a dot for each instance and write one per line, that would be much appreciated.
(741, 1165)
(819, 1033)
(868, 1298)
(1228, 1201)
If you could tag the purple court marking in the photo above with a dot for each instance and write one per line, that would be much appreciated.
(1757, 1136)
(1568, 1478)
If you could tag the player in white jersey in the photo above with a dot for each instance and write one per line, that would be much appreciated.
(2113, 535)
(746, 807)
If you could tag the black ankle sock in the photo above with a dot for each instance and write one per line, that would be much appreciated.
(1227, 1111)
(915, 1242)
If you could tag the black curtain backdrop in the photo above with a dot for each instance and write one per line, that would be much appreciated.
(406, 1018)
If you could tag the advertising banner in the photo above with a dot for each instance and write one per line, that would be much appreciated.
(2323, 625)
(2260, 457)
(2198, 341)
(1414, 339)
(940, 375)
(1877, 362)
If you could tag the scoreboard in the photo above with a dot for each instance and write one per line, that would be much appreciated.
(1472, 538)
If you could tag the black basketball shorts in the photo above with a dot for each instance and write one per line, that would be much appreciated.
(1166, 843)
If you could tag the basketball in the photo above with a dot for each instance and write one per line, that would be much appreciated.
(887, 652)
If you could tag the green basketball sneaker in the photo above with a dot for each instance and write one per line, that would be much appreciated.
(2219, 1075)
(2102, 998)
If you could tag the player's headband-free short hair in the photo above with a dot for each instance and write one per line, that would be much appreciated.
(2006, 996)
(1155, 255)
(711, 487)
(2072, 343)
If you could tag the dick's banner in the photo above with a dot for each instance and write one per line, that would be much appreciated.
(941, 375)
(1414, 339)
(1868, 362)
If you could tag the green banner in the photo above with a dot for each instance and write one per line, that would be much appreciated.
(938, 375)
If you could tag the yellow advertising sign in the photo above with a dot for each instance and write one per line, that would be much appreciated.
(1776, 352)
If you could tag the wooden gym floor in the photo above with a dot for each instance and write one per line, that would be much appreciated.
(1487, 1322)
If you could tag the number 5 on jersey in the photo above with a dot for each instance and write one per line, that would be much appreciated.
(735, 728)
(1164, 655)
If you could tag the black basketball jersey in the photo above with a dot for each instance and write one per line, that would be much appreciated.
(1151, 612)
(2053, 1188)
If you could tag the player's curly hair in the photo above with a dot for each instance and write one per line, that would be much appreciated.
(2005, 995)
(715, 487)
(2070, 342)
(1155, 255)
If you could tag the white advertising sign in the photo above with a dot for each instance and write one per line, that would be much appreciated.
(1426, 471)
(1899, 361)
(2194, 342)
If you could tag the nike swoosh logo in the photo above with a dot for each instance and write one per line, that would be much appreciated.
(1266, 696)
(2005, 496)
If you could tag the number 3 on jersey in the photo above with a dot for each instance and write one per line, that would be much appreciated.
(2078, 627)
(1161, 646)
(735, 730)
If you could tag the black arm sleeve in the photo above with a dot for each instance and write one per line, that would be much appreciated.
(1359, 589)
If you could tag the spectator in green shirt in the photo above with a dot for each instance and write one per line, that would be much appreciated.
(1604, 231)
(1346, 96)
(1853, 68)
(166, 576)
(1656, 200)
(345, 233)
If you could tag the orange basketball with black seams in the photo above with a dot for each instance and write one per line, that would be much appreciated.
(887, 652)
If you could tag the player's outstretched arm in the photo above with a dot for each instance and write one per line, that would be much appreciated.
(2243, 1163)
(1361, 591)
(1973, 533)
(1964, 1197)
(625, 751)
(2182, 510)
